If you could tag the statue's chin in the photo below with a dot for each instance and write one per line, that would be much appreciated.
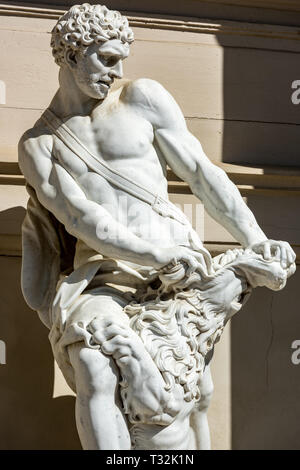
(96, 90)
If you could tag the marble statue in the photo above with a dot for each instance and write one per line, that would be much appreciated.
(133, 301)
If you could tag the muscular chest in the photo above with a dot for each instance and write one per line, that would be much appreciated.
(114, 134)
(121, 134)
(117, 136)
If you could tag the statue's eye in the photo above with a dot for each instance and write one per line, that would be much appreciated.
(110, 61)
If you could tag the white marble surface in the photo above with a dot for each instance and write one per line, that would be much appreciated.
(97, 161)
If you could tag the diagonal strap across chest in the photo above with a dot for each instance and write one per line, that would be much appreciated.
(69, 139)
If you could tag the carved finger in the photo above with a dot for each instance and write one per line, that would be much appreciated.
(277, 253)
(283, 257)
(290, 256)
(99, 337)
(92, 326)
(99, 324)
(198, 257)
(267, 251)
(114, 330)
(204, 257)
(290, 252)
(123, 360)
(105, 334)
(113, 345)
(123, 355)
(197, 264)
(192, 263)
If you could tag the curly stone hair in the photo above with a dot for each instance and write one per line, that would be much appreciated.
(84, 24)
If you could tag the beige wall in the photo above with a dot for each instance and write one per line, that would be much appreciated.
(265, 382)
(233, 82)
(30, 417)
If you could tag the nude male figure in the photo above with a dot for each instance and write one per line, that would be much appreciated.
(138, 129)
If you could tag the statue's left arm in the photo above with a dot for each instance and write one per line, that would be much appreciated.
(185, 156)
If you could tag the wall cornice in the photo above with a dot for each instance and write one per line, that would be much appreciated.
(214, 27)
(286, 5)
(269, 181)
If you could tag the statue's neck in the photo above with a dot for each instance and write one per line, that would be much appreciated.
(69, 99)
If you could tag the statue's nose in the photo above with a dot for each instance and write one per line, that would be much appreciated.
(116, 71)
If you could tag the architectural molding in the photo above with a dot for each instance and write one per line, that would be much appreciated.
(251, 181)
(10, 245)
(269, 181)
(222, 27)
(287, 5)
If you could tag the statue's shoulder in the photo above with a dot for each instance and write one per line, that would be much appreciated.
(143, 91)
(151, 99)
(36, 140)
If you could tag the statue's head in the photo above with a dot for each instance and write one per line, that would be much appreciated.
(92, 41)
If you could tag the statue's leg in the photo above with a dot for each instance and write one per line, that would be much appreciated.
(145, 395)
(198, 420)
(176, 436)
(100, 422)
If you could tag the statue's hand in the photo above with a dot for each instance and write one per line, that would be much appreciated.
(279, 250)
(194, 259)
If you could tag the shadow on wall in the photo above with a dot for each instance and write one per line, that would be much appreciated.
(261, 123)
(265, 382)
(261, 127)
(11, 220)
(30, 417)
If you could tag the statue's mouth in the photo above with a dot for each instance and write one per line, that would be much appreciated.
(106, 84)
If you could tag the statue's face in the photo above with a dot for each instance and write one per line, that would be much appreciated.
(95, 70)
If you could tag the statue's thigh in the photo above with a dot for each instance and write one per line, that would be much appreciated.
(97, 306)
(94, 371)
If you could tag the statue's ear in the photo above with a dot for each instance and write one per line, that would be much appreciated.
(70, 58)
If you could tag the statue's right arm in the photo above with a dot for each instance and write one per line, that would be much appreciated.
(83, 218)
